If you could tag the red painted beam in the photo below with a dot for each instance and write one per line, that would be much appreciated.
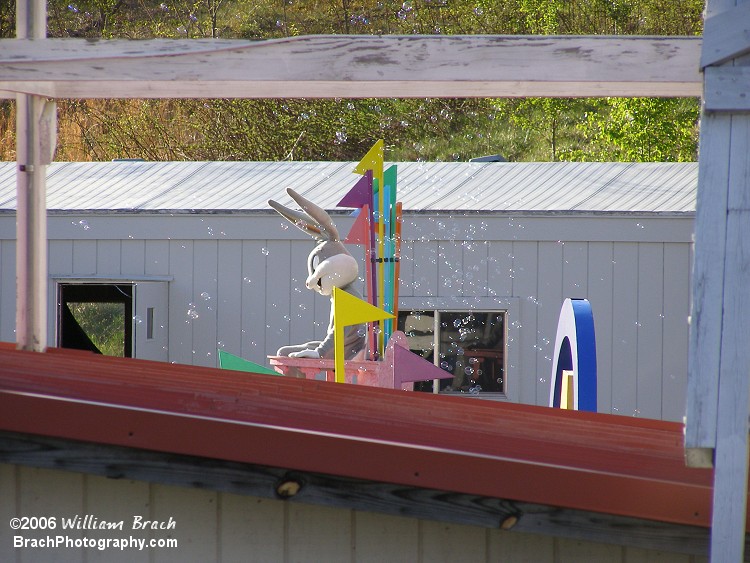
(601, 463)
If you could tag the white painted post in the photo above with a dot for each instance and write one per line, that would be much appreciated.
(36, 124)
(719, 367)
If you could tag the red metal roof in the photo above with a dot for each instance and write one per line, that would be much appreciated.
(602, 463)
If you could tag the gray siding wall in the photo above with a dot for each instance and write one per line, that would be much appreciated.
(635, 271)
(225, 528)
(237, 283)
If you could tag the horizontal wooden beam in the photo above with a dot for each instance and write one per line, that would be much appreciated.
(118, 462)
(362, 66)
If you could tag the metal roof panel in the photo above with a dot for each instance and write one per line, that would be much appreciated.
(422, 186)
(587, 461)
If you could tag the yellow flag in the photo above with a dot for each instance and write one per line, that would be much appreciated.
(348, 310)
(373, 160)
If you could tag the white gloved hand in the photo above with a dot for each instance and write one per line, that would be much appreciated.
(305, 354)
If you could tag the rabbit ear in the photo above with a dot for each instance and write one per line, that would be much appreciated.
(319, 216)
(314, 221)
(298, 219)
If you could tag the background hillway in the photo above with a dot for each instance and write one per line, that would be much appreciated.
(607, 129)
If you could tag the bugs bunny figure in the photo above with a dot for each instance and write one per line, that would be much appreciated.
(329, 265)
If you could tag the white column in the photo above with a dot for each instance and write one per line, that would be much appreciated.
(719, 365)
(36, 125)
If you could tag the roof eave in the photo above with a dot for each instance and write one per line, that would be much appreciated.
(538, 455)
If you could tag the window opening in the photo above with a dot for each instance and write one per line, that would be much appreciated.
(96, 317)
(470, 348)
(149, 323)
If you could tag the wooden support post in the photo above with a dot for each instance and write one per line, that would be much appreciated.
(35, 142)
(719, 364)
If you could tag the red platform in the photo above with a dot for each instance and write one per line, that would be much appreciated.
(602, 463)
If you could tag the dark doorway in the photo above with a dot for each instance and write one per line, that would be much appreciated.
(96, 317)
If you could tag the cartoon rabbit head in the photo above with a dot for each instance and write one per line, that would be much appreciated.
(329, 264)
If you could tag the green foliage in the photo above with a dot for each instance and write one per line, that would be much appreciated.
(542, 16)
(606, 129)
(416, 129)
(104, 324)
(551, 122)
(264, 19)
(637, 129)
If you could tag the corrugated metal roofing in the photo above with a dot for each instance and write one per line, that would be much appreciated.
(422, 186)
(584, 461)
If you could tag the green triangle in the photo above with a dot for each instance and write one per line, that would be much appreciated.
(230, 361)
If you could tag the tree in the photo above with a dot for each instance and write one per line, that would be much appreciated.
(640, 129)
(426, 129)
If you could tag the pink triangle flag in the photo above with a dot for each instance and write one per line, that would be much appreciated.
(408, 366)
(360, 231)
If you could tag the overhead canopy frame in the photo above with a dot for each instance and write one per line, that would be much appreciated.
(361, 66)
(479, 66)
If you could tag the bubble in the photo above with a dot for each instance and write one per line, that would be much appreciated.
(265, 251)
(206, 296)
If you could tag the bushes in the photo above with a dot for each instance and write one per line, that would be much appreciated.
(426, 129)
